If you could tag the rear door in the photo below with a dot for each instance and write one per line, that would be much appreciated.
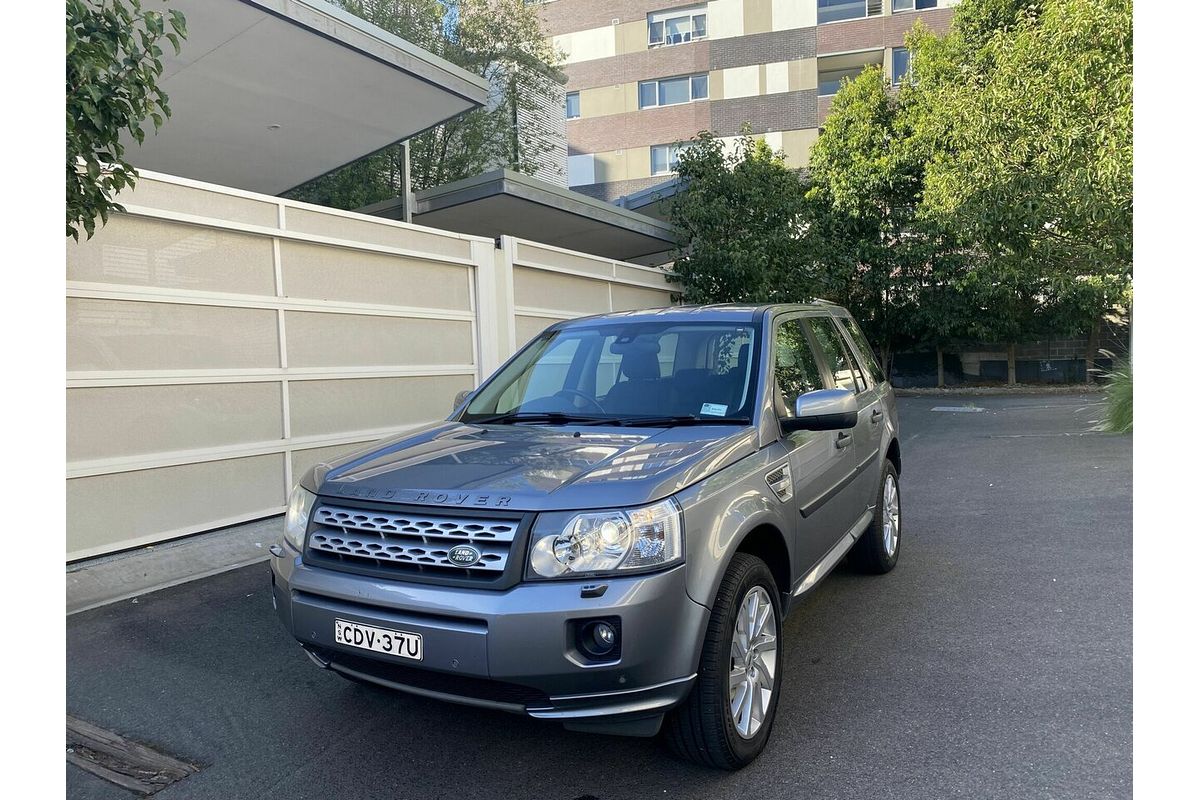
(878, 391)
(857, 488)
(815, 460)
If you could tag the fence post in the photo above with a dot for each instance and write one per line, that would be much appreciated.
(487, 311)
(495, 318)
(506, 255)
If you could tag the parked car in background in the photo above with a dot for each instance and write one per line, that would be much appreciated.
(609, 531)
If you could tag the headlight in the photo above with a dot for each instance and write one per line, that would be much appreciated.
(296, 522)
(608, 541)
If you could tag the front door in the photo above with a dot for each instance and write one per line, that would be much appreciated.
(817, 460)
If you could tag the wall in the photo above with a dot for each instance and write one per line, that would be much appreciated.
(220, 342)
(762, 61)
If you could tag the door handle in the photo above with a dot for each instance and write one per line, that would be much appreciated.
(876, 415)
(842, 440)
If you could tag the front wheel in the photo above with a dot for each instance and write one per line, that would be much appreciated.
(877, 550)
(726, 720)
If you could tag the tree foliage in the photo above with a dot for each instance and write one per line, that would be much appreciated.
(990, 198)
(738, 223)
(1024, 114)
(499, 40)
(114, 61)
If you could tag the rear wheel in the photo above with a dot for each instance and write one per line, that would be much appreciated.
(726, 720)
(877, 550)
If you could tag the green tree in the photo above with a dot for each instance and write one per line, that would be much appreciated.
(738, 223)
(114, 61)
(1024, 115)
(899, 274)
(499, 40)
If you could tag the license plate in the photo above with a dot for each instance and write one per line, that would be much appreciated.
(380, 640)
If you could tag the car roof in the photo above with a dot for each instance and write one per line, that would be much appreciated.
(717, 312)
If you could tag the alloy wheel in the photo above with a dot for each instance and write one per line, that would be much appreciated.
(891, 515)
(752, 661)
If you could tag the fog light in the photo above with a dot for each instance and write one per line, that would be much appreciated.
(599, 639)
(604, 636)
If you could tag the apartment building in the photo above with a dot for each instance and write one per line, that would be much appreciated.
(646, 75)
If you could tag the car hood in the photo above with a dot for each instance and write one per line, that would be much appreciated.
(532, 467)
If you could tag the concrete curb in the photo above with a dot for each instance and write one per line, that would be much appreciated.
(100, 581)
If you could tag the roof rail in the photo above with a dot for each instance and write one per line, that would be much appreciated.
(820, 301)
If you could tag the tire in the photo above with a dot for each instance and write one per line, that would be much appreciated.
(871, 553)
(703, 729)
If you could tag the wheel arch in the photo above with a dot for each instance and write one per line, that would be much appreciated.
(767, 542)
(893, 453)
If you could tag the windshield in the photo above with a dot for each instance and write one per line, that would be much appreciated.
(639, 371)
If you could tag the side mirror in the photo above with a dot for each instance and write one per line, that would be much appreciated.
(460, 398)
(824, 410)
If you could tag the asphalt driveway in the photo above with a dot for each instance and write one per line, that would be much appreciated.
(994, 661)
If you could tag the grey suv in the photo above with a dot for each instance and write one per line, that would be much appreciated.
(610, 530)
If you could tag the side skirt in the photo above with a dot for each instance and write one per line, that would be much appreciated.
(831, 559)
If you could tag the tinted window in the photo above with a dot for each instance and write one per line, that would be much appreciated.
(647, 94)
(864, 349)
(617, 371)
(674, 91)
(899, 64)
(845, 374)
(796, 370)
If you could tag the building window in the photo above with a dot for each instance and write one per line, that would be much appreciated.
(909, 5)
(899, 64)
(664, 158)
(672, 91)
(830, 81)
(572, 105)
(677, 26)
(838, 10)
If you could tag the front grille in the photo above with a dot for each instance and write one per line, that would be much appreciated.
(411, 542)
(441, 682)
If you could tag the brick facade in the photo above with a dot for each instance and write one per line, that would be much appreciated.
(610, 191)
(823, 104)
(613, 123)
(763, 48)
(638, 128)
(785, 111)
(877, 32)
(661, 62)
(569, 16)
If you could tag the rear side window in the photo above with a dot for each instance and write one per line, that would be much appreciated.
(796, 370)
(837, 358)
(864, 349)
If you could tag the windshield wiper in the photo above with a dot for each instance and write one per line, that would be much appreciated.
(551, 417)
(679, 419)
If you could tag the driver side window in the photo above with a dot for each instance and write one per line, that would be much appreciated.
(796, 370)
(546, 378)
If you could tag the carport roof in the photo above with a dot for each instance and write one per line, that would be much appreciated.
(502, 202)
(268, 94)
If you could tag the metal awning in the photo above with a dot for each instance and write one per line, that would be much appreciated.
(502, 202)
(650, 201)
(268, 94)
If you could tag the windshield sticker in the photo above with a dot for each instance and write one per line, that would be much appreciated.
(714, 409)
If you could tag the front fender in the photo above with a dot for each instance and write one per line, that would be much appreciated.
(719, 512)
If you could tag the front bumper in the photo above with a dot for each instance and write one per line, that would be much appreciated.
(513, 650)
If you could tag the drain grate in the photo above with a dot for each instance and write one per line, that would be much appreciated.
(122, 761)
